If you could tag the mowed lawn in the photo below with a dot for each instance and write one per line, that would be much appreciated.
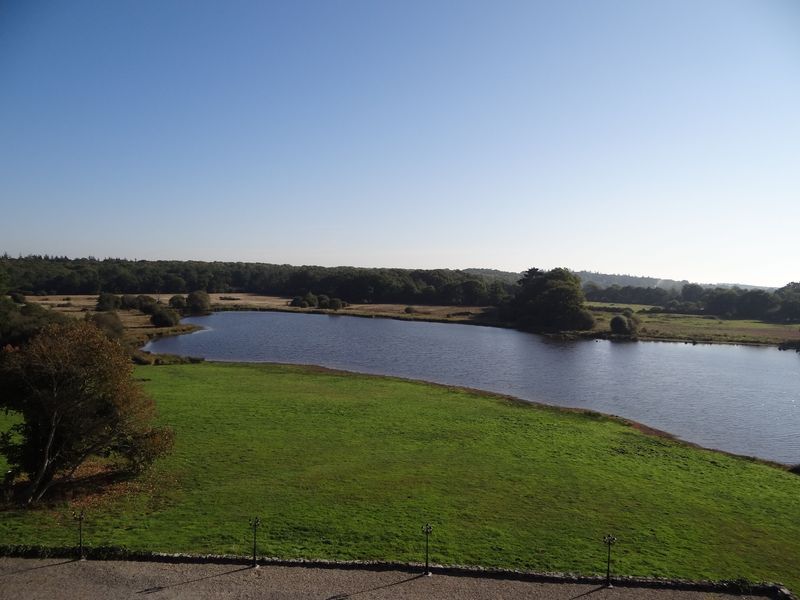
(346, 466)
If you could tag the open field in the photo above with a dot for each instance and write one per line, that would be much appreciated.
(347, 466)
(662, 326)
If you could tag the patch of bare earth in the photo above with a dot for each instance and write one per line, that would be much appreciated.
(26, 579)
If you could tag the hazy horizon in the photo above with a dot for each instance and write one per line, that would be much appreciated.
(654, 138)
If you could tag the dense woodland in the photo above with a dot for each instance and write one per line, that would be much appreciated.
(781, 306)
(487, 287)
(55, 275)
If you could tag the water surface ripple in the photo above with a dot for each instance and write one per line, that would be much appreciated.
(740, 399)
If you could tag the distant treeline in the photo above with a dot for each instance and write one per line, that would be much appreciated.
(782, 305)
(41, 275)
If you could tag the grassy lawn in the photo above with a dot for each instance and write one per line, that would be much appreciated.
(349, 467)
(662, 326)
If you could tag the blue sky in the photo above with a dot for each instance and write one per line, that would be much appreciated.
(652, 138)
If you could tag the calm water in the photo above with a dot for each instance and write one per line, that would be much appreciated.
(736, 398)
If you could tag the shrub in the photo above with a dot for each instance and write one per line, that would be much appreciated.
(129, 302)
(106, 301)
(323, 301)
(17, 297)
(623, 325)
(198, 302)
(177, 302)
(410, 310)
(164, 317)
(147, 304)
(336, 304)
(109, 322)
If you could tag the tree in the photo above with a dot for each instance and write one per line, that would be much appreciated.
(550, 301)
(164, 317)
(72, 387)
(198, 302)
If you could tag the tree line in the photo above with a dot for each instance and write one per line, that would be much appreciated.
(782, 305)
(42, 275)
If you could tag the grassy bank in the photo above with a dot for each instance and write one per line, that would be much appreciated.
(349, 467)
(696, 328)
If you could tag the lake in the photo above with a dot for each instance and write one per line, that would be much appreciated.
(740, 399)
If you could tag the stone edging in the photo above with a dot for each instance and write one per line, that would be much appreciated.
(740, 587)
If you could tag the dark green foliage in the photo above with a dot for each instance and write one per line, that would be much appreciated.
(298, 302)
(109, 322)
(164, 317)
(549, 301)
(177, 302)
(198, 303)
(623, 324)
(146, 304)
(106, 301)
(336, 304)
(17, 297)
(129, 302)
(18, 324)
(405, 286)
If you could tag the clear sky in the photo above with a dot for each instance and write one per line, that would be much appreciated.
(645, 137)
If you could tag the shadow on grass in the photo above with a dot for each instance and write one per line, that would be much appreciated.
(63, 562)
(380, 587)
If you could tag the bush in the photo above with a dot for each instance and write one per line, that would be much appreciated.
(147, 304)
(623, 325)
(17, 297)
(164, 317)
(323, 301)
(198, 303)
(129, 302)
(410, 310)
(109, 322)
(336, 304)
(177, 302)
(106, 301)
(298, 301)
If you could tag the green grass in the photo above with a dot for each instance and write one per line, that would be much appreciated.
(699, 328)
(349, 467)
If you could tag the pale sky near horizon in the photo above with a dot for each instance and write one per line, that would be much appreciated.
(656, 138)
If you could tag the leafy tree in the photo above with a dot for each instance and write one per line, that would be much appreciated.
(177, 302)
(198, 302)
(19, 324)
(623, 324)
(106, 301)
(550, 301)
(692, 292)
(164, 317)
(109, 323)
(72, 387)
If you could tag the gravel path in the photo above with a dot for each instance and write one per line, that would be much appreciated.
(24, 579)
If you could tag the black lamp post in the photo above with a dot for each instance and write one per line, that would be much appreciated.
(427, 529)
(254, 523)
(609, 541)
(79, 516)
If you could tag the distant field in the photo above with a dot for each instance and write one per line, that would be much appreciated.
(348, 466)
(661, 326)
(653, 326)
(139, 326)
